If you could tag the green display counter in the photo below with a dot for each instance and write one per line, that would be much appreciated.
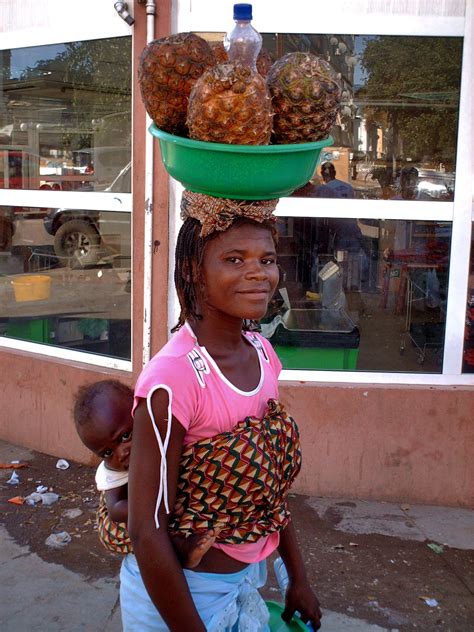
(315, 339)
(35, 330)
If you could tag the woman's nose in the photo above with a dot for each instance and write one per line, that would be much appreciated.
(256, 270)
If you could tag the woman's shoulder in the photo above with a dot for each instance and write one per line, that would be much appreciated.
(265, 349)
(172, 359)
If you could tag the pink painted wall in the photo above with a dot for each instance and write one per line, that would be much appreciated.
(411, 444)
(406, 444)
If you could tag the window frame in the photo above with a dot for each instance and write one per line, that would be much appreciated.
(53, 24)
(362, 19)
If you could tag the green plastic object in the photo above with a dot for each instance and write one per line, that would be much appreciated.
(277, 624)
(317, 358)
(36, 330)
(246, 172)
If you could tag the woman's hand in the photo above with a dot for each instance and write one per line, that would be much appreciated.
(299, 594)
(301, 598)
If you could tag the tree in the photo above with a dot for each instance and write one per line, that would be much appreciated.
(413, 83)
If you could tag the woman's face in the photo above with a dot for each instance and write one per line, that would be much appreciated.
(240, 272)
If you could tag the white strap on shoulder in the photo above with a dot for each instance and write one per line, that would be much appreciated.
(163, 446)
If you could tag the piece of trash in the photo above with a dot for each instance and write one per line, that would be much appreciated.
(338, 547)
(353, 544)
(437, 548)
(49, 498)
(405, 507)
(430, 601)
(13, 465)
(58, 540)
(16, 500)
(14, 479)
(46, 498)
(72, 513)
(41, 489)
(33, 498)
(62, 464)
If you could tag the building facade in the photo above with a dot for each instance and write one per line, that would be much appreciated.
(373, 316)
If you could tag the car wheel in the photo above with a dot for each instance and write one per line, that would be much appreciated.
(78, 242)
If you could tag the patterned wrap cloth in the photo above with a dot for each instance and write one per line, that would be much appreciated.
(217, 214)
(237, 482)
(113, 535)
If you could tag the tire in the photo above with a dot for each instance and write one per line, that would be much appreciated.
(78, 242)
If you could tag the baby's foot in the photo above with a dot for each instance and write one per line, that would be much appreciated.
(191, 550)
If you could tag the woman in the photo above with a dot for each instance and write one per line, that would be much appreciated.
(209, 377)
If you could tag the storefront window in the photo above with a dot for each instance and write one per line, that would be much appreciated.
(65, 278)
(395, 135)
(468, 357)
(65, 116)
(360, 294)
(65, 126)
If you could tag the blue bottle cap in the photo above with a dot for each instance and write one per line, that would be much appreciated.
(242, 11)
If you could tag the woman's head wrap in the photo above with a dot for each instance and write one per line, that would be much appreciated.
(217, 214)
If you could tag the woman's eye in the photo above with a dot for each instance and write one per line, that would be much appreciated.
(126, 436)
(107, 454)
(268, 262)
(234, 259)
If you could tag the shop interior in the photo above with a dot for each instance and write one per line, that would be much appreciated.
(360, 294)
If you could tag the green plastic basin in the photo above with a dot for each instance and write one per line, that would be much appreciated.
(277, 624)
(248, 172)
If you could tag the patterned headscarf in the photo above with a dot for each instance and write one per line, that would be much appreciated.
(218, 213)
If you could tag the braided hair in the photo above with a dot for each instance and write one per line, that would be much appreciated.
(189, 254)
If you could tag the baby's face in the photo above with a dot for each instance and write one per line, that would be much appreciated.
(109, 432)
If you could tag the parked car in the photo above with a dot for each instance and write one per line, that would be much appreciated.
(79, 235)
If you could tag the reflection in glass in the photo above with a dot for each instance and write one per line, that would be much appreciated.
(398, 116)
(360, 294)
(67, 284)
(468, 357)
(65, 116)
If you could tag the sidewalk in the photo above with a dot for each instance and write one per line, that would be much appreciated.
(375, 566)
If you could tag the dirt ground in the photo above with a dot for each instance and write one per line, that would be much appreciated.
(381, 579)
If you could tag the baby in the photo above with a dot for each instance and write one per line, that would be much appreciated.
(103, 419)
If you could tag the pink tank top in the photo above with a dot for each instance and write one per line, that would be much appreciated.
(206, 403)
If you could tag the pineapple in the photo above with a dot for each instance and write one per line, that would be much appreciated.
(168, 69)
(230, 104)
(264, 59)
(305, 98)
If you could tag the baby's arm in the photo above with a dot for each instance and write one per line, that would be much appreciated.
(117, 503)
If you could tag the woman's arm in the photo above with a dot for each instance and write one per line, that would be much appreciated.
(117, 503)
(299, 594)
(160, 569)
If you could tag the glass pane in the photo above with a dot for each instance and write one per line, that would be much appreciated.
(395, 135)
(468, 364)
(65, 116)
(65, 278)
(367, 295)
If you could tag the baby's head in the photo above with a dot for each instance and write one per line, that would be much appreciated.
(103, 418)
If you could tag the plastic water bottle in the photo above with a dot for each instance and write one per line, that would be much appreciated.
(243, 43)
(282, 579)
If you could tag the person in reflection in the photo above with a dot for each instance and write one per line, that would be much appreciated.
(333, 187)
(408, 184)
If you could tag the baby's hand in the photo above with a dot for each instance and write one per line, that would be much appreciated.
(191, 550)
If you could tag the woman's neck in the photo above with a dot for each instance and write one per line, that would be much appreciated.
(218, 334)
